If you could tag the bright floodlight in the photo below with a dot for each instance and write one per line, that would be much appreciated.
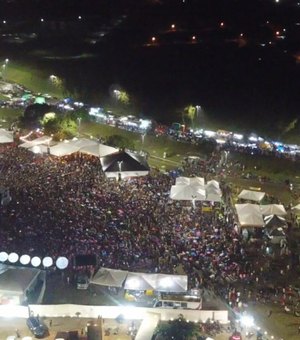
(25, 259)
(36, 261)
(209, 133)
(36, 149)
(247, 320)
(13, 257)
(3, 256)
(62, 262)
(134, 283)
(47, 262)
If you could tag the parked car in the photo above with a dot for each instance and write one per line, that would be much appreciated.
(82, 282)
(37, 327)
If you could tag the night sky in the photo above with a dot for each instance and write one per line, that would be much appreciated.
(237, 59)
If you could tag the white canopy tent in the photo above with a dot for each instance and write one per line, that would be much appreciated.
(296, 209)
(171, 283)
(98, 150)
(213, 184)
(6, 136)
(250, 195)
(198, 181)
(63, 149)
(157, 282)
(273, 209)
(194, 189)
(213, 191)
(44, 140)
(71, 146)
(140, 281)
(109, 277)
(249, 215)
(187, 193)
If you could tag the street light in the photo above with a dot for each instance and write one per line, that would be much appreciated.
(79, 123)
(143, 138)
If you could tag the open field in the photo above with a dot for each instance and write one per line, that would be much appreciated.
(34, 79)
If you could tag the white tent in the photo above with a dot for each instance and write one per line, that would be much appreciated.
(296, 208)
(187, 193)
(71, 146)
(250, 195)
(199, 181)
(140, 281)
(273, 209)
(109, 277)
(6, 136)
(249, 215)
(99, 150)
(158, 282)
(63, 149)
(213, 183)
(38, 141)
(171, 283)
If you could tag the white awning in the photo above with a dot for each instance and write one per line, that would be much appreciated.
(187, 193)
(273, 209)
(249, 215)
(109, 277)
(250, 195)
(6, 136)
(198, 181)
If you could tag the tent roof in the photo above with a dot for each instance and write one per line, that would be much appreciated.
(140, 281)
(171, 283)
(17, 279)
(123, 162)
(250, 195)
(98, 150)
(158, 282)
(109, 277)
(6, 136)
(275, 221)
(37, 141)
(187, 193)
(249, 215)
(213, 183)
(296, 208)
(199, 181)
(273, 209)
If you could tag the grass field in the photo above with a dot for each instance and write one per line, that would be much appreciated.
(32, 78)
(8, 116)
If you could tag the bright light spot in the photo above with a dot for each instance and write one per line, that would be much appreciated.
(79, 17)
(193, 37)
(238, 136)
(132, 312)
(36, 149)
(153, 39)
(4, 21)
(25, 259)
(42, 20)
(247, 320)
(13, 257)
(173, 26)
(209, 133)
(36, 261)
(222, 24)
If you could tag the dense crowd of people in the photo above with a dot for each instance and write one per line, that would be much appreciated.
(66, 206)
